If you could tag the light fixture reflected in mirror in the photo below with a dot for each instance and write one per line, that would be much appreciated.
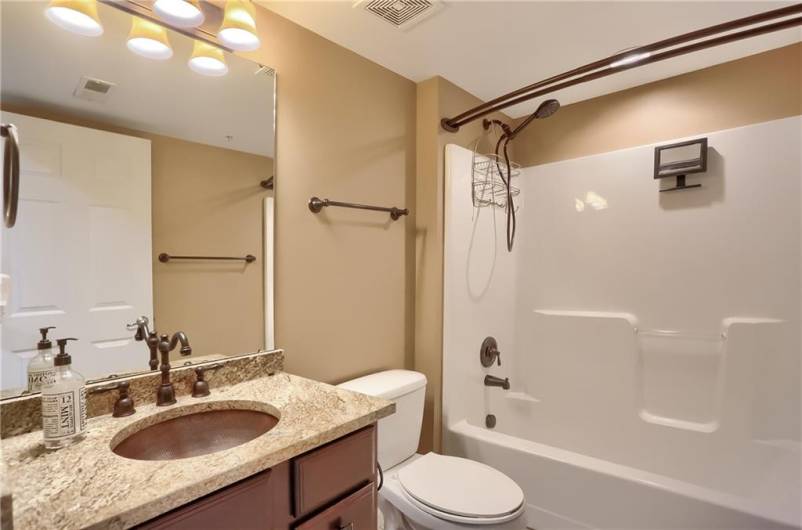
(238, 30)
(149, 39)
(77, 16)
(207, 60)
(180, 13)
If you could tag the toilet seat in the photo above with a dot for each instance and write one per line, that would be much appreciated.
(461, 490)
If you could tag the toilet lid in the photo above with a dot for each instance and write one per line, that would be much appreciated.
(461, 487)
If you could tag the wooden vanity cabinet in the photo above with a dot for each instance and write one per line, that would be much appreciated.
(332, 487)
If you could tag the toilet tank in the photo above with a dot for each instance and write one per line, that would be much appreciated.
(399, 433)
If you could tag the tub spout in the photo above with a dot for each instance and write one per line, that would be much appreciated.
(497, 381)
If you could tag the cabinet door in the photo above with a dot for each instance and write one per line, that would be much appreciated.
(326, 474)
(355, 512)
(247, 505)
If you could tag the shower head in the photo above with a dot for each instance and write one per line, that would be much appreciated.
(547, 108)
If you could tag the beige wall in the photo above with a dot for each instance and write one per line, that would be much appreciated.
(437, 98)
(207, 200)
(344, 278)
(754, 89)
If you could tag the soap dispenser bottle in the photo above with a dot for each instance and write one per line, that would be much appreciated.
(40, 367)
(64, 402)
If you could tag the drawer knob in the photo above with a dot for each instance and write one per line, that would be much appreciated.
(349, 526)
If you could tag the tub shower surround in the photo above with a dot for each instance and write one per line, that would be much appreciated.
(651, 339)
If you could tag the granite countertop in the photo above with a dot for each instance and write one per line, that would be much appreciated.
(87, 485)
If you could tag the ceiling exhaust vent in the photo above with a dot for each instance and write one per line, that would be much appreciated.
(265, 70)
(91, 89)
(403, 14)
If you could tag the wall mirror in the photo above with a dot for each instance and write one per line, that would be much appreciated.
(125, 158)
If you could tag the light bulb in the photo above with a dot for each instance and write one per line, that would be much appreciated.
(207, 60)
(180, 13)
(238, 30)
(77, 16)
(149, 39)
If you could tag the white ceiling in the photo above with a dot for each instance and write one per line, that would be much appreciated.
(490, 48)
(42, 65)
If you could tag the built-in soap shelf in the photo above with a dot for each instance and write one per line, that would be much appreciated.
(629, 317)
(521, 397)
(680, 377)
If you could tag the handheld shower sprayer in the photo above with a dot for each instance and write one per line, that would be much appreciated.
(544, 110)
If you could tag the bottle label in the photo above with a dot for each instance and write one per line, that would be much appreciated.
(64, 414)
(40, 378)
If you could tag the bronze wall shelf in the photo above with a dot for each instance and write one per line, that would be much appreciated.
(164, 258)
(316, 204)
(680, 159)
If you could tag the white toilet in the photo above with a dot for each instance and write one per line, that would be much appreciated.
(431, 491)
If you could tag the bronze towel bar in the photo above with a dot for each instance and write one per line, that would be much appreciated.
(164, 258)
(316, 204)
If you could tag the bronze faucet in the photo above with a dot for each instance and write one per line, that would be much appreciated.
(151, 338)
(165, 395)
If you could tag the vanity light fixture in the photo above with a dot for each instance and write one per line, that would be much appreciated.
(207, 60)
(180, 13)
(77, 16)
(149, 39)
(238, 30)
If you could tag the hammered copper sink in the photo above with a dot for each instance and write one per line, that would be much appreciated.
(195, 434)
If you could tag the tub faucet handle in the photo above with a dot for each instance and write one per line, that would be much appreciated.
(489, 353)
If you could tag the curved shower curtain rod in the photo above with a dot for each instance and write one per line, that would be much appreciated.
(633, 58)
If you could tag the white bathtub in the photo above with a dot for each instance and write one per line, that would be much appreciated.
(567, 490)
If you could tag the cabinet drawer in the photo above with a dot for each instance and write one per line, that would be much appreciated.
(246, 505)
(355, 512)
(334, 470)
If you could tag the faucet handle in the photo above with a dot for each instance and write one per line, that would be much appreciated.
(141, 321)
(124, 405)
(489, 352)
(201, 386)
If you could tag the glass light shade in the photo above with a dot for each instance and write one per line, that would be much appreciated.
(180, 13)
(77, 16)
(238, 30)
(149, 39)
(207, 60)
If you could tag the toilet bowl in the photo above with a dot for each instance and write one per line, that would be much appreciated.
(448, 493)
(431, 491)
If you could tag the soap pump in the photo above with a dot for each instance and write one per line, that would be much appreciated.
(40, 367)
(64, 402)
